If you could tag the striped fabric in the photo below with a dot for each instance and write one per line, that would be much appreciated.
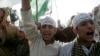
(77, 50)
(96, 50)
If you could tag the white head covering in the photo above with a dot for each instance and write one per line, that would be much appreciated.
(79, 18)
(47, 20)
(21, 28)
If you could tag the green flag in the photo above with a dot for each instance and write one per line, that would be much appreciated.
(42, 8)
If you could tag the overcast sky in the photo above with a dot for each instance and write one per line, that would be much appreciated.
(62, 9)
(67, 8)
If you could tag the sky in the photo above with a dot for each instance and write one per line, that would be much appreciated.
(61, 9)
(67, 8)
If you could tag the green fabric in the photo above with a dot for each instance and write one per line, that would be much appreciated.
(42, 8)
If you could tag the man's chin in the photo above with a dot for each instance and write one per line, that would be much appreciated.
(90, 39)
(47, 38)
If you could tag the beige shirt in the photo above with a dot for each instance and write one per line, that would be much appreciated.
(37, 45)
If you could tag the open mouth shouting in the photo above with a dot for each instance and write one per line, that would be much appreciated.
(90, 33)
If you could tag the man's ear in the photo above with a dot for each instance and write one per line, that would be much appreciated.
(75, 31)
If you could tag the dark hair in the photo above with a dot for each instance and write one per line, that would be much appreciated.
(2, 10)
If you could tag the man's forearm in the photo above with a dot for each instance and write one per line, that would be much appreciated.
(25, 4)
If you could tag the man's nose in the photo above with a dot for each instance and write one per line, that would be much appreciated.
(46, 28)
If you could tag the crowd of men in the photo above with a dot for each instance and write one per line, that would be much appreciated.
(44, 38)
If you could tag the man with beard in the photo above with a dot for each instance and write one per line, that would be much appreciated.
(83, 44)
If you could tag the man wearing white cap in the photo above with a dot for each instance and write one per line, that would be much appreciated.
(23, 46)
(83, 44)
(41, 43)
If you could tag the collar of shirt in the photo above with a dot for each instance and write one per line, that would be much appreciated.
(86, 50)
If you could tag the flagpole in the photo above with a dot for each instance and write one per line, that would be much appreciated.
(37, 10)
(56, 9)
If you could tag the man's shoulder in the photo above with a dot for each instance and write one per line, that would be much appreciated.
(67, 46)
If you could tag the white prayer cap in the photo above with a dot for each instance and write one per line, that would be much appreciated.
(80, 18)
(47, 20)
(21, 28)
